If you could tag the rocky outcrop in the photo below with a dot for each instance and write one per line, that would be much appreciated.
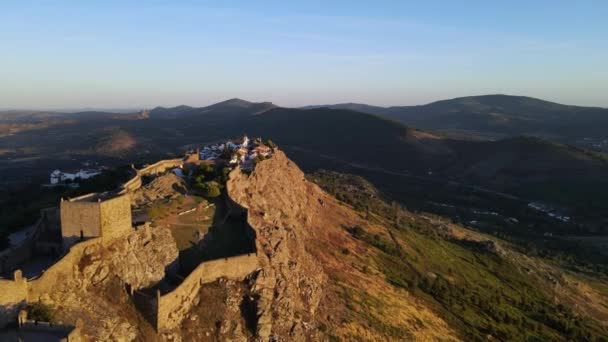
(140, 259)
(280, 204)
(99, 291)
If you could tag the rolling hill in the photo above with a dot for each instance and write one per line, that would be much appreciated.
(338, 139)
(232, 108)
(498, 116)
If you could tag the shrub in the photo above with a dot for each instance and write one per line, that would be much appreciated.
(206, 170)
(357, 232)
(40, 312)
(211, 189)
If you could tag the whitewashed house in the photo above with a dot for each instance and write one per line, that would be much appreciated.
(58, 177)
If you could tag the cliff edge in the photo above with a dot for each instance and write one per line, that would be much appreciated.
(306, 281)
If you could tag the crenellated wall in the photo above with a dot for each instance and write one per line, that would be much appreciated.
(173, 306)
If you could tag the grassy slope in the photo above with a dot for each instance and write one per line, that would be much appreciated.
(478, 292)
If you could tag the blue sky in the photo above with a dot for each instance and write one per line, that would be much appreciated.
(58, 54)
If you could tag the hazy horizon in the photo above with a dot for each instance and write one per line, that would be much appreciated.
(111, 54)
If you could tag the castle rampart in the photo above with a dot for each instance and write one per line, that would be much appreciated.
(151, 170)
(160, 167)
(94, 215)
(13, 296)
(173, 306)
(60, 271)
(99, 218)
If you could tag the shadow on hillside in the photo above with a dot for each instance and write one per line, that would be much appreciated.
(229, 235)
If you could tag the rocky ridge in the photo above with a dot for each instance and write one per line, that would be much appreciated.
(299, 230)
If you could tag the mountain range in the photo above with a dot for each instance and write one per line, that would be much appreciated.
(496, 116)
(349, 140)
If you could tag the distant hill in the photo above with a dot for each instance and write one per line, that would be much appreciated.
(499, 116)
(233, 108)
(345, 137)
(334, 139)
(357, 107)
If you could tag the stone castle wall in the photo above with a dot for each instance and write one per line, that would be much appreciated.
(106, 219)
(131, 185)
(79, 219)
(115, 217)
(60, 271)
(151, 170)
(13, 297)
(173, 306)
(87, 218)
(160, 167)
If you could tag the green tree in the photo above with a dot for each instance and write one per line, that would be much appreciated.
(211, 189)
(223, 175)
(206, 169)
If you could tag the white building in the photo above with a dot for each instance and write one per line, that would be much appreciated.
(58, 177)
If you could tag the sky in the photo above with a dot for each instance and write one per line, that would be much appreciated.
(141, 54)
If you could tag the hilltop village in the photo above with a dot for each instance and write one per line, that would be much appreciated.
(177, 207)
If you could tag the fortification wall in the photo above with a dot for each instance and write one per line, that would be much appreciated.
(173, 306)
(59, 272)
(193, 158)
(160, 167)
(115, 217)
(13, 296)
(131, 185)
(79, 219)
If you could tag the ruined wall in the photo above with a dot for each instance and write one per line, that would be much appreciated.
(13, 296)
(115, 217)
(79, 218)
(173, 306)
(60, 272)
